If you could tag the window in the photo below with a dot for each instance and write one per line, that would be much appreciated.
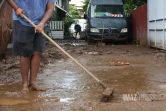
(107, 11)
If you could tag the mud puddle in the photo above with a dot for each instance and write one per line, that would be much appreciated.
(69, 88)
(13, 102)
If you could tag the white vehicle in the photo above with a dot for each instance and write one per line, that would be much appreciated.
(82, 23)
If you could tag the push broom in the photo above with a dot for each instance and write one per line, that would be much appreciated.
(107, 93)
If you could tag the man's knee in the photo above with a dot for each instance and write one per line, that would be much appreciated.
(37, 54)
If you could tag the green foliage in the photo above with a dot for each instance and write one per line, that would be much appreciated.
(74, 12)
(139, 2)
(54, 17)
(67, 23)
(85, 6)
(131, 5)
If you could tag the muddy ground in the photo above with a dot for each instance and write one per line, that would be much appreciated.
(69, 88)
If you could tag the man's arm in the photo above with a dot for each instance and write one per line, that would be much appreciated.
(18, 10)
(49, 12)
(47, 15)
(12, 4)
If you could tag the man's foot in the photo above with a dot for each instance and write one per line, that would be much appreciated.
(25, 90)
(34, 87)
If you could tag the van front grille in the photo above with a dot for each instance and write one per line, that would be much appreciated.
(110, 30)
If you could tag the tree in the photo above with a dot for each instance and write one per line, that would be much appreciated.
(85, 6)
(133, 4)
(139, 2)
(74, 12)
(129, 6)
(67, 23)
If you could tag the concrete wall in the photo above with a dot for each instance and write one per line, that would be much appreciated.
(157, 23)
(138, 25)
(5, 26)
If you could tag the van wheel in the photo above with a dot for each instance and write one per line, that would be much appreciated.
(89, 40)
(126, 41)
(86, 39)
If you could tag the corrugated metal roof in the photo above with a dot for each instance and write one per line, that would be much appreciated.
(67, 14)
(107, 2)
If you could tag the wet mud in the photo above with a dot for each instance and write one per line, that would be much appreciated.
(69, 88)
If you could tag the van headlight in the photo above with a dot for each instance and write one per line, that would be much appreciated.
(124, 30)
(94, 30)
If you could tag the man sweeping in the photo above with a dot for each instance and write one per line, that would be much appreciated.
(28, 42)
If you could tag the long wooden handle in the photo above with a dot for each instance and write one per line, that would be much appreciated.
(45, 35)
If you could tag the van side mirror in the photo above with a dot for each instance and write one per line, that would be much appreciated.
(129, 16)
(85, 16)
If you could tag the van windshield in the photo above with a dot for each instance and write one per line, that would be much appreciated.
(107, 11)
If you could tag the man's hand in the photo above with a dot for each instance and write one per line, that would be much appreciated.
(39, 27)
(19, 12)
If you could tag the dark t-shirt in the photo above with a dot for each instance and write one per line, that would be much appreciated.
(77, 28)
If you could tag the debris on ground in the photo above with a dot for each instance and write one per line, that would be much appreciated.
(91, 53)
(119, 63)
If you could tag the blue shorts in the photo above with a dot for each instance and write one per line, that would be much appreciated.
(26, 41)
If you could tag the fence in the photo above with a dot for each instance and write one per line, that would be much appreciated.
(138, 25)
(56, 29)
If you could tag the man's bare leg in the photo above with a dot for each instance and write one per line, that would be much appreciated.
(24, 68)
(34, 68)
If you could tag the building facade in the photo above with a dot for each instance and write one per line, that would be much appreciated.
(78, 5)
(56, 25)
(62, 9)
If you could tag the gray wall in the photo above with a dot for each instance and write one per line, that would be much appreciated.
(157, 23)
